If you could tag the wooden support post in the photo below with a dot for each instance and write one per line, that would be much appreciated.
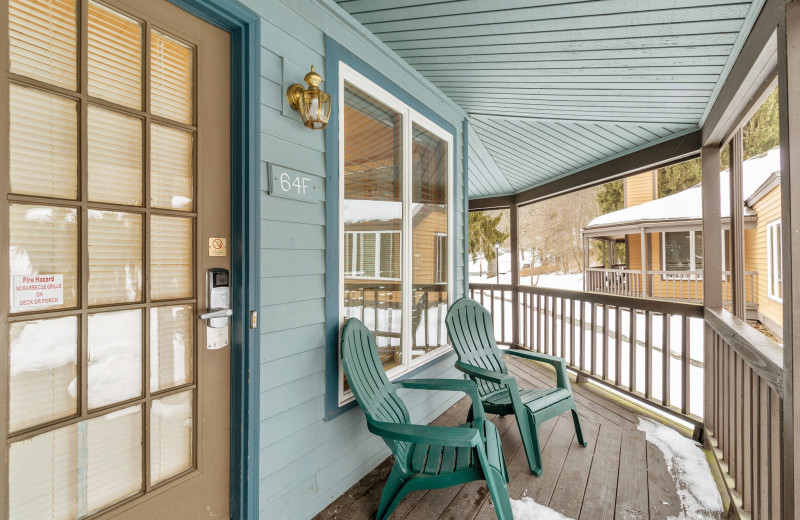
(737, 226)
(585, 263)
(789, 103)
(514, 231)
(712, 266)
(643, 256)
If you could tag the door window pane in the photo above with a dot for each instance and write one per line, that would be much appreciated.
(43, 476)
(44, 240)
(115, 257)
(115, 357)
(172, 168)
(43, 367)
(115, 157)
(429, 221)
(170, 257)
(43, 143)
(43, 40)
(115, 56)
(114, 452)
(171, 346)
(171, 78)
(373, 203)
(170, 436)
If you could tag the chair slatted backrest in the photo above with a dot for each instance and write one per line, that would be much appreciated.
(470, 328)
(369, 383)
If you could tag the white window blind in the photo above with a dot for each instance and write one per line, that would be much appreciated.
(171, 75)
(115, 157)
(43, 40)
(115, 257)
(115, 56)
(171, 262)
(171, 168)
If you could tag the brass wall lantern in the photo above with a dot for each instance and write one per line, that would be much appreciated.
(313, 104)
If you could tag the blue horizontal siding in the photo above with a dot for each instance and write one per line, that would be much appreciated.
(307, 461)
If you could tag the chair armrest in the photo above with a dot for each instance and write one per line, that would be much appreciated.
(485, 374)
(426, 434)
(557, 362)
(451, 385)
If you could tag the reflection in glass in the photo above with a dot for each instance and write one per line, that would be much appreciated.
(115, 357)
(430, 245)
(170, 257)
(171, 346)
(42, 480)
(114, 452)
(115, 56)
(44, 240)
(172, 168)
(170, 436)
(373, 220)
(43, 367)
(43, 143)
(115, 257)
(115, 157)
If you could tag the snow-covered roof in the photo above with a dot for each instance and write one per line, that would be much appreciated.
(688, 204)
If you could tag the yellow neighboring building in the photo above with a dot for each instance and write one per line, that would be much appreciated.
(665, 236)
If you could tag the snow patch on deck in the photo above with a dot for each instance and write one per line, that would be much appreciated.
(686, 462)
(529, 509)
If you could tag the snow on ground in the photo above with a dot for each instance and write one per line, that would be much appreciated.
(529, 509)
(686, 462)
(565, 281)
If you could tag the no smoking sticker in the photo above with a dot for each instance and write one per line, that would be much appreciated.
(217, 246)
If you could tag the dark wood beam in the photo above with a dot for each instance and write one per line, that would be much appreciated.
(737, 224)
(663, 154)
(789, 103)
(746, 85)
(514, 232)
(501, 202)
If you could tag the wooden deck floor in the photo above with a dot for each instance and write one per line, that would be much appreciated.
(618, 476)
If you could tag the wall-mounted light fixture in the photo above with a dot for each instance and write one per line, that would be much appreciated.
(313, 104)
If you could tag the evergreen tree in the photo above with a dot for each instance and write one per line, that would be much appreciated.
(484, 233)
(678, 177)
(611, 196)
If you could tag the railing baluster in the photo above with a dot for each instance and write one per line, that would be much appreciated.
(618, 346)
(530, 320)
(747, 426)
(546, 324)
(502, 316)
(524, 314)
(632, 353)
(648, 354)
(606, 330)
(562, 341)
(686, 365)
(593, 338)
(583, 335)
(665, 358)
(572, 332)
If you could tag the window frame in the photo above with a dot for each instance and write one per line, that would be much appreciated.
(772, 288)
(410, 117)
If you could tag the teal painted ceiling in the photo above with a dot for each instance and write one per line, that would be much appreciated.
(552, 86)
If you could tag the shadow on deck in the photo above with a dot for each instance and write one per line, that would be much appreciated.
(618, 476)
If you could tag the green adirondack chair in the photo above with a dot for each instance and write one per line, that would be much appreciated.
(469, 327)
(425, 457)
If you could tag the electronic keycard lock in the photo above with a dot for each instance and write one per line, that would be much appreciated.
(218, 299)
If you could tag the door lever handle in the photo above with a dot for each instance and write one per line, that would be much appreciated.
(217, 313)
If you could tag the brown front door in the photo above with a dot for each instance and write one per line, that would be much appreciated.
(115, 184)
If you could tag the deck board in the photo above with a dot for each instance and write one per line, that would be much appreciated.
(617, 476)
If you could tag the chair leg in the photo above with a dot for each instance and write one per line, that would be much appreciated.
(393, 493)
(499, 493)
(530, 441)
(577, 422)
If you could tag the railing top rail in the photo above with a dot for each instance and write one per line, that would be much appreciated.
(692, 310)
(762, 355)
(612, 270)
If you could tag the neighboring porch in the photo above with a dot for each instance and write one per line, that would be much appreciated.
(618, 475)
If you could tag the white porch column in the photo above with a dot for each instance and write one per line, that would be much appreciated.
(737, 226)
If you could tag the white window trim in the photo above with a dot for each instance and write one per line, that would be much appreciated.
(692, 264)
(410, 117)
(772, 264)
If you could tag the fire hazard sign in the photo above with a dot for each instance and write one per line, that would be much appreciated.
(38, 290)
(217, 246)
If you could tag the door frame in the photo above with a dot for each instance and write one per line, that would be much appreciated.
(244, 28)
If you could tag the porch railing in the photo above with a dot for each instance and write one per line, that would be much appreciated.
(650, 350)
(672, 285)
(656, 352)
(744, 421)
